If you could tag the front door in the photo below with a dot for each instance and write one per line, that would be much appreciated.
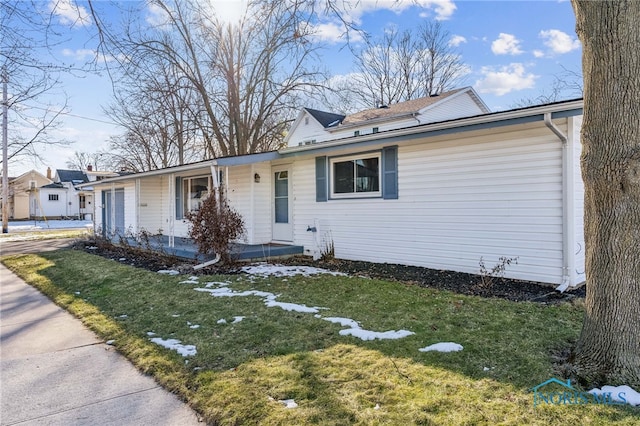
(282, 223)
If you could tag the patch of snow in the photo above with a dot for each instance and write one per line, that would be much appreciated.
(355, 330)
(92, 248)
(175, 315)
(194, 326)
(442, 347)
(266, 269)
(123, 316)
(270, 302)
(48, 224)
(345, 322)
(237, 319)
(77, 293)
(221, 321)
(122, 259)
(377, 407)
(288, 403)
(189, 281)
(623, 394)
(168, 272)
(218, 283)
(150, 333)
(176, 345)
(110, 342)
(372, 335)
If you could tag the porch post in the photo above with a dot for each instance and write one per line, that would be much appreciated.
(172, 209)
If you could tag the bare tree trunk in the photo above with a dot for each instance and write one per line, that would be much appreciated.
(608, 351)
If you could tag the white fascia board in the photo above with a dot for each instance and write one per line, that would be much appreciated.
(294, 126)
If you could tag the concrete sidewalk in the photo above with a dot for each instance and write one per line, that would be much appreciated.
(54, 371)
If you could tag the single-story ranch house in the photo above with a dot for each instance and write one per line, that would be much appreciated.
(438, 182)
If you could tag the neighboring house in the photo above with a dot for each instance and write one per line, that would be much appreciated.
(438, 182)
(63, 198)
(23, 191)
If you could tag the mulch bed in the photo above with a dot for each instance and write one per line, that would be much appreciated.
(457, 282)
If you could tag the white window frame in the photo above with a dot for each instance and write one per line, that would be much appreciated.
(186, 195)
(54, 197)
(360, 156)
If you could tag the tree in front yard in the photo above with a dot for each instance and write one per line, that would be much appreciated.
(215, 225)
(608, 351)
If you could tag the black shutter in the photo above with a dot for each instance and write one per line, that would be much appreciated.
(178, 190)
(321, 179)
(390, 173)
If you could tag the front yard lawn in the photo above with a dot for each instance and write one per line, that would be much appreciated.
(253, 349)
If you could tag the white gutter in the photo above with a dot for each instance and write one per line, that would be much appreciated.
(567, 205)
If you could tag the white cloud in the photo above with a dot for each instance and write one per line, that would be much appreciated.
(558, 41)
(509, 78)
(79, 54)
(506, 44)
(70, 13)
(457, 40)
(538, 53)
(353, 11)
(88, 55)
(156, 16)
(230, 11)
(333, 32)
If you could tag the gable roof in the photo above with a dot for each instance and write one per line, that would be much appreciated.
(73, 176)
(407, 108)
(55, 185)
(327, 119)
(30, 173)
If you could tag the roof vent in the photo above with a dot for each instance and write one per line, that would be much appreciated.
(383, 106)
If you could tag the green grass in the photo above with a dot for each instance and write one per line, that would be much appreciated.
(242, 370)
(45, 235)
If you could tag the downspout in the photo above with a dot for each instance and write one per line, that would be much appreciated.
(566, 205)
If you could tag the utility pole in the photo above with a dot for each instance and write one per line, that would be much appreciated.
(5, 153)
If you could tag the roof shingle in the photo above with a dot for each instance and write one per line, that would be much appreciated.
(399, 109)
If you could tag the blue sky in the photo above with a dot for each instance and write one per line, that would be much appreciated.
(513, 50)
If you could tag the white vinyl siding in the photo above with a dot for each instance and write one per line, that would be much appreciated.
(458, 106)
(460, 200)
(153, 204)
(252, 200)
